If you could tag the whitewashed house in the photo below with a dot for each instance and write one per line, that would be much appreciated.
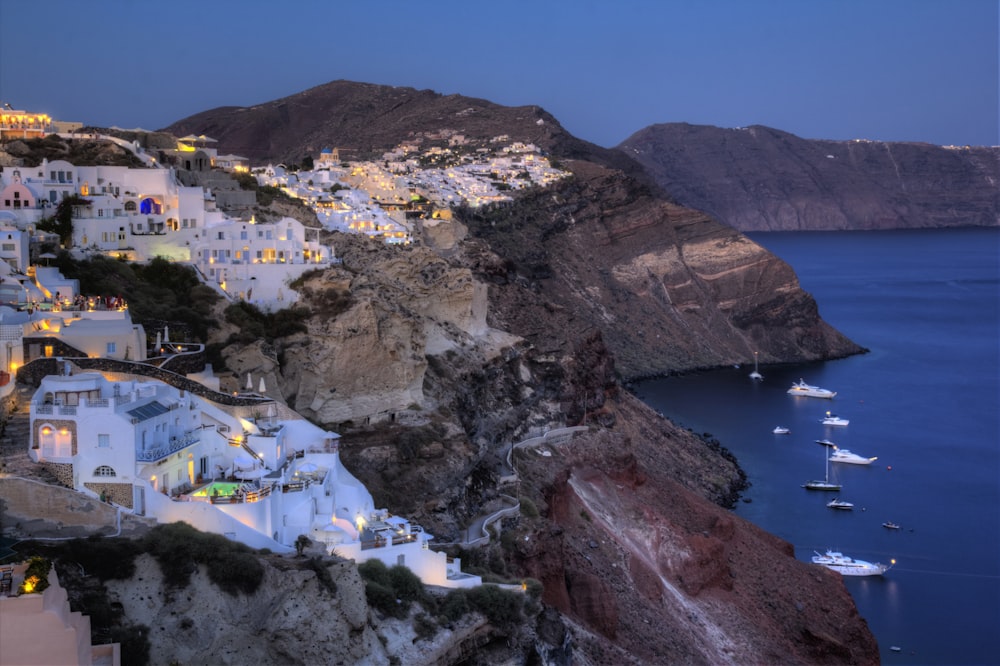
(163, 452)
(14, 245)
(255, 261)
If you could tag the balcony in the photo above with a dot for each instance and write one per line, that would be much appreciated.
(161, 452)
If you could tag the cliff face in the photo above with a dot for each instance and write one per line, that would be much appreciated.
(634, 558)
(761, 179)
(669, 288)
(432, 360)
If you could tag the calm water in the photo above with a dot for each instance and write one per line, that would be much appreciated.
(925, 400)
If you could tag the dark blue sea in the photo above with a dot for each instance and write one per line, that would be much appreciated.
(925, 400)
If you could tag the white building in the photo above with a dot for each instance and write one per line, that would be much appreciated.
(255, 261)
(14, 245)
(158, 451)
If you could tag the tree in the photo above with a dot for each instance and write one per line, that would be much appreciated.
(62, 222)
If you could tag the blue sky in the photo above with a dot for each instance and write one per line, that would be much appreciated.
(891, 70)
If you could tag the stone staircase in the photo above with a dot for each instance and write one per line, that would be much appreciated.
(15, 436)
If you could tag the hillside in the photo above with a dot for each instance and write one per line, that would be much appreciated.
(367, 119)
(762, 179)
(505, 322)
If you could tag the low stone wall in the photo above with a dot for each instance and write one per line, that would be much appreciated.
(62, 471)
(36, 509)
(119, 493)
(185, 364)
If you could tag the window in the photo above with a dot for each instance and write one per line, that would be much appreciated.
(243, 234)
(112, 347)
(104, 470)
(104, 441)
(49, 351)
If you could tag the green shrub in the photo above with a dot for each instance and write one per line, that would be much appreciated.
(36, 576)
(180, 548)
(501, 607)
(406, 584)
(383, 599)
(376, 571)
(106, 558)
(456, 605)
(394, 589)
(255, 324)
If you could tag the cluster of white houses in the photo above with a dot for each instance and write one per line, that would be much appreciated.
(242, 471)
(242, 466)
(378, 198)
(142, 213)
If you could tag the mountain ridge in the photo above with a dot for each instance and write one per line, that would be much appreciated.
(758, 178)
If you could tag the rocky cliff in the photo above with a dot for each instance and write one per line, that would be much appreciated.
(761, 179)
(505, 322)
(432, 360)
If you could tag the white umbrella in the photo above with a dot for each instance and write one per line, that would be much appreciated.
(249, 382)
(245, 461)
(261, 388)
(307, 467)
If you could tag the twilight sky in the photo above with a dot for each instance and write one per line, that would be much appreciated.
(891, 70)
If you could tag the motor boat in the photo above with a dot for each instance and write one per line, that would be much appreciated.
(845, 456)
(889, 525)
(848, 566)
(840, 504)
(825, 442)
(834, 420)
(781, 430)
(801, 388)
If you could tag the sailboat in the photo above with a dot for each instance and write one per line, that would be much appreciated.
(825, 484)
(756, 376)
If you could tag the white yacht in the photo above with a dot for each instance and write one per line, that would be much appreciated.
(801, 388)
(840, 504)
(845, 456)
(781, 430)
(848, 566)
(833, 420)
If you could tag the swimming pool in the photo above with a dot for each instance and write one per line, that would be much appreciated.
(224, 488)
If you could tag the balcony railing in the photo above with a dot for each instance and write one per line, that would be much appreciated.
(160, 452)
